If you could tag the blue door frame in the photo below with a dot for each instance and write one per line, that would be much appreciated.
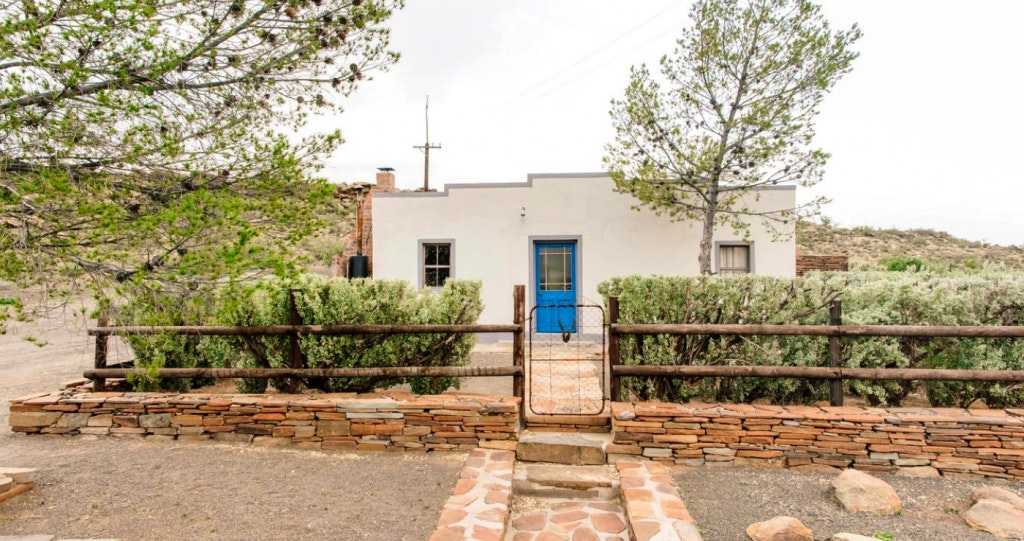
(555, 286)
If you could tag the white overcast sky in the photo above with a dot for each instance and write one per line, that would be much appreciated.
(924, 133)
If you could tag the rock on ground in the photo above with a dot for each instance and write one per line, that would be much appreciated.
(983, 493)
(861, 492)
(779, 529)
(996, 517)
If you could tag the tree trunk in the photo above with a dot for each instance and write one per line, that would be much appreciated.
(706, 238)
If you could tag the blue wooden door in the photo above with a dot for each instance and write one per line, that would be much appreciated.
(555, 286)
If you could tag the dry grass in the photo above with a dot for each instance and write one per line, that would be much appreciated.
(867, 247)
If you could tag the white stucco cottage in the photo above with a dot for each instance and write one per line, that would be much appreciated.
(560, 234)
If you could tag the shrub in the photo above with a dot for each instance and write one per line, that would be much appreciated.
(869, 298)
(9, 307)
(322, 301)
(902, 264)
(157, 308)
(712, 299)
(929, 298)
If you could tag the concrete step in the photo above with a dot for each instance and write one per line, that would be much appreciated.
(563, 448)
(542, 480)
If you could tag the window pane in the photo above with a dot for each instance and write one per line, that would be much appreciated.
(430, 254)
(552, 269)
(430, 278)
(442, 276)
(443, 251)
(734, 259)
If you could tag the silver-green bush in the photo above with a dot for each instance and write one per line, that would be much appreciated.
(714, 300)
(322, 301)
(869, 298)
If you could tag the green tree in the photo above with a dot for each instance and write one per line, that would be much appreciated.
(731, 113)
(166, 142)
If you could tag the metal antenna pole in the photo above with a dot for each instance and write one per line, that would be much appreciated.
(426, 148)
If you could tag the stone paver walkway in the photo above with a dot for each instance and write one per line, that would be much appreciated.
(478, 507)
(653, 506)
(565, 520)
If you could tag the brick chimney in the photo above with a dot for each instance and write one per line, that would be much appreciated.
(385, 183)
(385, 179)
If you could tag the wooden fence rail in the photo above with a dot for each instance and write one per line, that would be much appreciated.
(847, 331)
(102, 332)
(820, 372)
(835, 331)
(285, 330)
(360, 372)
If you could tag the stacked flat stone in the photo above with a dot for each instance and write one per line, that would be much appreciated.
(349, 421)
(947, 441)
(479, 505)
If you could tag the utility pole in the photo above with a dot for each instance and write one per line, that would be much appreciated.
(425, 147)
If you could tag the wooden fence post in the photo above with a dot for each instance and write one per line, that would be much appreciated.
(100, 360)
(295, 352)
(835, 352)
(518, 345)
(613, 350)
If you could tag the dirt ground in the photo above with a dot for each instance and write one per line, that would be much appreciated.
(724, 501)
(139, 490)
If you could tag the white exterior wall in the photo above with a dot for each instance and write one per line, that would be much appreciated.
(493, 241)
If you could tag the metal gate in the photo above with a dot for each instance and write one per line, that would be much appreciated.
(566, 369)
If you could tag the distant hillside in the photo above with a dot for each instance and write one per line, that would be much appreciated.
(867, 246)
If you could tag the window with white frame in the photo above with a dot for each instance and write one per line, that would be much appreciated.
(733, 259)
(436, 263)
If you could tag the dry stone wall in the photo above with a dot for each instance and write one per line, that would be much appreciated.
(947, 441)
(329, 422)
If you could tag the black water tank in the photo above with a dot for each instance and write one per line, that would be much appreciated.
(358, 266)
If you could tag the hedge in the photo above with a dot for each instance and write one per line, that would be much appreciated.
(869, 298)
(319, 301)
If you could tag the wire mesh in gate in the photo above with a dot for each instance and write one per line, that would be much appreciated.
(566, 372)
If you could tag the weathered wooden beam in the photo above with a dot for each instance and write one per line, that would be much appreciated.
(284, 330)
(100, 354)
(364, 372)
(923, 331)
(615, 382)
(518, 339)
(820, 372)
(835, 352)
(20, 489)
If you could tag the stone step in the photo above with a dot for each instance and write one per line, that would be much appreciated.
(19, 475)
(569, 423)
(542, 480)
(563, 448)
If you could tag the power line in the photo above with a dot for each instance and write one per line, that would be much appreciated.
(595, 68)
(593, 53)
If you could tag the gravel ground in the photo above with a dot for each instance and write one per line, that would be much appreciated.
(724, 501)
(136, 490)
(140, 491)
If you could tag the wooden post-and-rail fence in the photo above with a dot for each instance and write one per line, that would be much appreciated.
(835, 331)
(100, 372)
